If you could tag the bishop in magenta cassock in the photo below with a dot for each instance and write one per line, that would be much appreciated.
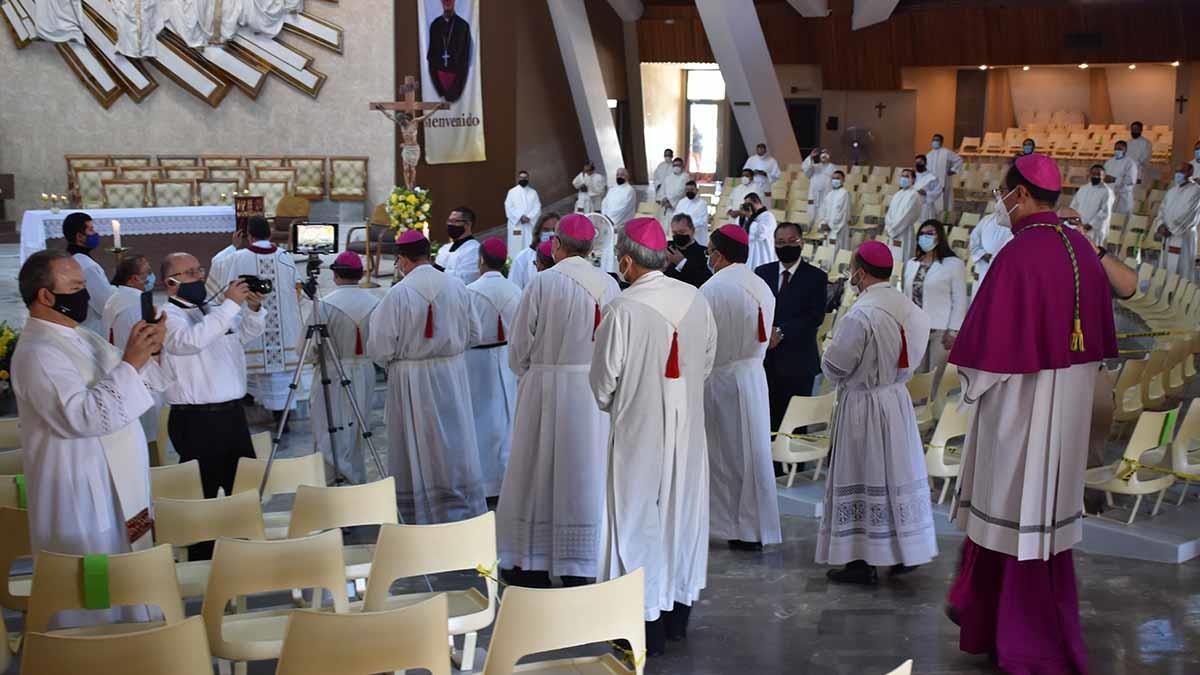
(1021, 487)
(551, 507)
(419, 332)
(655, 347)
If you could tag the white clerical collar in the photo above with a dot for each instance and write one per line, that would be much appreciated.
(491, 273)
(262, 244)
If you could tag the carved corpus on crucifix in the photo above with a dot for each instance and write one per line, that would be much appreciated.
(405, 114)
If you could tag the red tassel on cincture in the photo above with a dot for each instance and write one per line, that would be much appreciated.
(762, 329)
(500, 328)
(903, 363)
(596, 322)
(429, 322)
(673, 358)
(358, 347)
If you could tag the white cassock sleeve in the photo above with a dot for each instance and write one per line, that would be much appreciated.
(958, 294)
(608, 357)
(933, 191)
(975, 243)
(809, 166)
(253, 324)
(513, 207)
(99, 290)
(123, 324)
(534, 208)
(837, 215)
(579, 182)
(845, 351)
(955, 163)
(73, 410)
(522, 331)
(183, 340)
(383, 332)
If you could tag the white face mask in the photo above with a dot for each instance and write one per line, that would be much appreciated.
(936, 144)
(1180, 178)
(678, 170)
(837, 183)
(854, 284)
(745, 180)
(1118, 154)
(905, 181)
(927, 242)
(1002, 212)
(621, 273)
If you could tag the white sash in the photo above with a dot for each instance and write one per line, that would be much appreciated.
(665, 303)
(745, 279)
(492, 292)
(426, 281)
(355, 303)
(581, 272)
(122, 451)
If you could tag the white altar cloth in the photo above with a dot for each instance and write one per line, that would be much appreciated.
(38, 226)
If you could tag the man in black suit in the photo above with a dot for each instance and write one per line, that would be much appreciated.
(792, 358)
(686, 259)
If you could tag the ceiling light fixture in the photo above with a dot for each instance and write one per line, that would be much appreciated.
(1175, 64)
(1025, 68)
(983, 67)
(1083, 66)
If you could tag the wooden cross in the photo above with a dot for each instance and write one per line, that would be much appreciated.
(879, 108)
(410, 105)
(1181, 101)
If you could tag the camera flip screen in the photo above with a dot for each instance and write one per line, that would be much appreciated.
(314, 238)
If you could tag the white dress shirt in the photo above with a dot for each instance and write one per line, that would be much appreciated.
(203, 352)
(791, 274)
(944, 292)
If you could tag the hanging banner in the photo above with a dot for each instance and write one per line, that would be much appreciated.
(450, 63)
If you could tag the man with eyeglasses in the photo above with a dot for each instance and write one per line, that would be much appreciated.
(203, 356)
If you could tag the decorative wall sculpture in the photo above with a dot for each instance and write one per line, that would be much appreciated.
(204, 46)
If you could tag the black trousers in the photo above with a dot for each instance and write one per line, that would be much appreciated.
(781, 389)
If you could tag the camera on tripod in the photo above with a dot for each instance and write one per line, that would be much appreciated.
(314, 238)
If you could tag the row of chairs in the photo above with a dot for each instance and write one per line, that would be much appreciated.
(305, 175)
(1072, 142)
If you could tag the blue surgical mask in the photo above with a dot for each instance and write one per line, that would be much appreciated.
(1197, 153)
(547, 236)
(151, 280)
(1026, 149)
(936, 144)
(92, 241)
(927, 242)
(1180, 178)
(837, 183)
(1118, 154)
(905, 182)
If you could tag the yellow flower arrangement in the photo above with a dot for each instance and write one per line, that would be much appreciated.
(409, 209)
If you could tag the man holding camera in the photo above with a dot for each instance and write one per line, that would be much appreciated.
(270, 357)
(203, 356)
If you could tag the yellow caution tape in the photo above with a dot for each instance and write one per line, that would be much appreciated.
(1130, 467)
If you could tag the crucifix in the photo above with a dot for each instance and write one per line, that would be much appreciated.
(879, 108)
(1181, 101)
(405, 114)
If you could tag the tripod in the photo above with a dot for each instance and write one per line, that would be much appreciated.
(317, 337)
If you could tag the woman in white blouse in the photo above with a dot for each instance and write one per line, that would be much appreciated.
(936, 281)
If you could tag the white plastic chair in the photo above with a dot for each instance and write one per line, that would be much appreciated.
(287, 475)
(1149, 433)
(803, 411)
(328, 508)
(12, 462)
(540, 620)
(178, 649)
(176, 481)
(1185, 450)
(939, 461)
(183, 522)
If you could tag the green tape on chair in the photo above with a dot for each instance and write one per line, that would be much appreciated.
(22, 496)
(95, 582)
(1168, 430)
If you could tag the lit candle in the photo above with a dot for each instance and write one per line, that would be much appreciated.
(116, 225)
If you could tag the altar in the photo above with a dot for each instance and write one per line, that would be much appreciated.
(153, 232)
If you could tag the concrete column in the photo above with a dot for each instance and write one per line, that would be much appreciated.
(751, 85)
(587, 85)
(638, 171)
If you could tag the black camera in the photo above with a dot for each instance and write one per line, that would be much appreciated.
(257, 284)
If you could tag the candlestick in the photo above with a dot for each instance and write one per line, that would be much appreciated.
(116, 226)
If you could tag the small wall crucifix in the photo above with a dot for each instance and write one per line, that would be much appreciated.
(1182, 100)
(879, 108)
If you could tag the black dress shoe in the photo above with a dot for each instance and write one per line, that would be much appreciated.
(901, 569)
(952, 614)
(739, 545)
(857, 572)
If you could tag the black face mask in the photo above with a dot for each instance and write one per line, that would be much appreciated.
(73, 305)
(524, 182)
(748, 207)
(920, 167)
(681, 240)
(193, 292)
(691, 194)
(788, 254)
(1095, 180)
(1135, 134)
(455, 231)
(620, 181)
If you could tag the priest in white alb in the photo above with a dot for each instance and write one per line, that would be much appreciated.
(589, 185)
(737, 194)
(494, 300)
(621, 201)
(1020, 491)
(270, 358)
(765, 168)
(460, 258)
(524, 263)
(80, 234)
(819, 168)
(420, 332)
(1175, 224)
(944, 163)
(929, 186)
(654, 349)
(86, 476)
(902, 216)
(744, 508)
(1122, 173)
(1094, 203)
(834, 217)
(552, 503)
(986, 240)
(877, 508)
(660, 173)
(124, 310)
(696, 206)
(347, 312)
(674, 187)
(521, 208)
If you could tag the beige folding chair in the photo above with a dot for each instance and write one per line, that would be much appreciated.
(414, 550)
(287, 475)
(1149, 433)
(1184, 450)
(241, 568)
(328, 508)
(262, 444)
(803, 411)
(140, 578)
(184, 522)
(176, 481)
(177, 649)
(362, 643)
(12, 462)
(540, 620)
(920, 388)
(14, 544)
(941, 461)
(10, 432)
